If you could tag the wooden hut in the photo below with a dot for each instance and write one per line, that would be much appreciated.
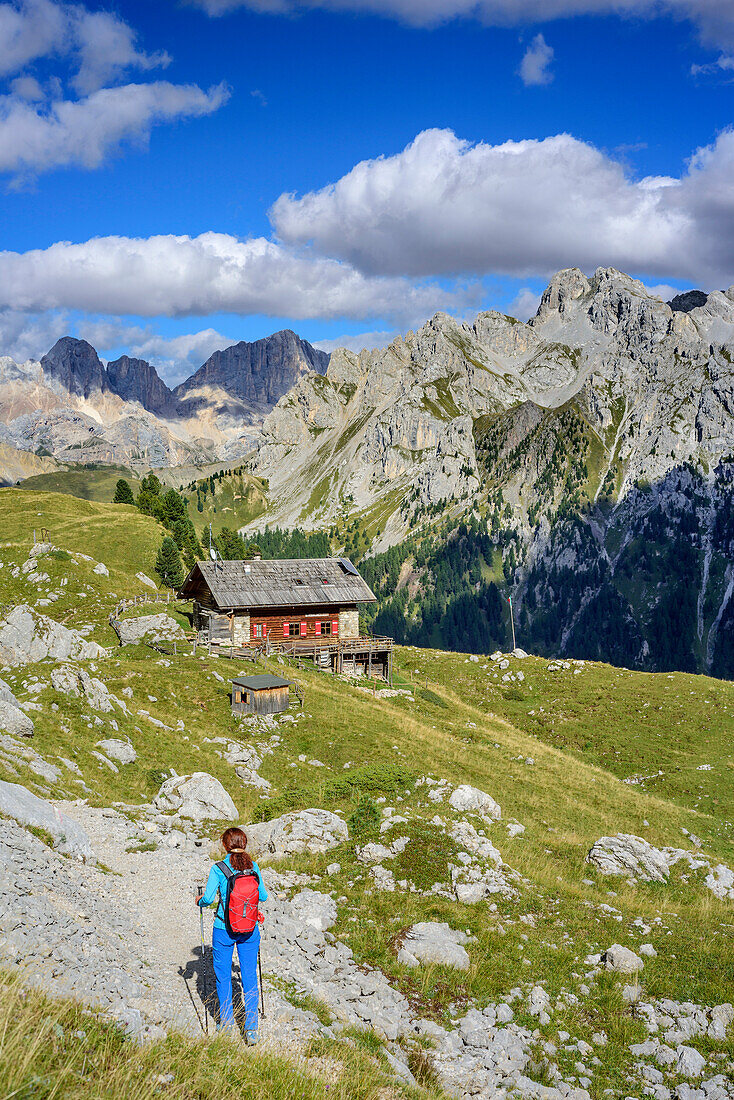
(263, 694)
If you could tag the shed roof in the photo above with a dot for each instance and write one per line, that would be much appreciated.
(262, 682)
(291, 582)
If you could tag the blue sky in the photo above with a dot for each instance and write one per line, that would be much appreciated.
(179, 176)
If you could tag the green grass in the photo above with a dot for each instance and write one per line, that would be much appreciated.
(585, 732)
(87, 482)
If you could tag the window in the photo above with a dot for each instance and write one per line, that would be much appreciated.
(325, 628)
(325, 580)
(294, 630)
(257, 630)
(300, 581)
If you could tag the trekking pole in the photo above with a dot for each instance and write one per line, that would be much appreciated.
(199, 891)
(260, 976)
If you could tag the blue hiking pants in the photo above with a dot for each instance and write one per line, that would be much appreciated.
(247, 949)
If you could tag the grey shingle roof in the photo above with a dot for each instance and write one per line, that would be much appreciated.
(261, 682)
(299, 582)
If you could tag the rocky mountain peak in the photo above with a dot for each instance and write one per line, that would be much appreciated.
(76, 365)
(137, 380)
(565, 287)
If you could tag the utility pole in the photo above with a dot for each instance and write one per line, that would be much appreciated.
(512, 622)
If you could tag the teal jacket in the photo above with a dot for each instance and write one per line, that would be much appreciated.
(216, 887)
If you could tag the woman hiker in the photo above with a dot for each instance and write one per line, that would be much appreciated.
(234, 842)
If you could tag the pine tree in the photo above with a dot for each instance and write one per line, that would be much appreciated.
(169, 566)
(123, 493)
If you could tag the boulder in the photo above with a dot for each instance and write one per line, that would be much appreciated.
(15, 721)
(147, 581)
(158, 628)
(626, 854)
(315, 910)
(28, 809)
(26, 637)
(622, 960)
(122, 751)
(101, 570)
(6, 695)
(76, 681)
(689, 1063)
(300, 831)
(466, 799)
(720, 881)
(434, 942)
(199, 796)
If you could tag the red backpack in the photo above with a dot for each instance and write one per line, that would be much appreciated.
(241, 899)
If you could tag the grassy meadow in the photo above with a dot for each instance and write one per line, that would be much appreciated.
(556, 750)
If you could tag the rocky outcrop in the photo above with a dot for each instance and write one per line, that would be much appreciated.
(137, 380)
(75, 365)
(26, 636)
(625, 854)
(200, 797)
(157, 628)
(301, 831)
(434, 942)
(257, 373)
(28, 809)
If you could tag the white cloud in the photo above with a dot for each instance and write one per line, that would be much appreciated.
(525, 304)
(714, 19)
(84, 132)
(212, 273)
(98, 44)
(535, 65)
(29, 335)
(357, 341)
(527, 208)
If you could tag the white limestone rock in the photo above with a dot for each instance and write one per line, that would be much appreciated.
(157, 628)
(626, 854)
(299, 831)
(622, 960)
(28, 809)
(27, 637)
(199, 796)
(466, 799)
(316, 910)
(434, 942)
(122, 751)
(15, 721)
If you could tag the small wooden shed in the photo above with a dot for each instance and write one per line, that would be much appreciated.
(263, 694)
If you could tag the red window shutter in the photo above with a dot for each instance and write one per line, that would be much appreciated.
(304, 628)
(318, 628)
(254, 631)
(334, 626)
(285, 630)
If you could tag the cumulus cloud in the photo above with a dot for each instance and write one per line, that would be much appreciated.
(357, 341)
(536, 62)
(26, 336)
(99, 45)
(525, 304)
(84, 132)
(212, 273)
(714, 19)
(444, 206)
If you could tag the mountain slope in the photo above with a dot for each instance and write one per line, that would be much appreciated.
(603, 423)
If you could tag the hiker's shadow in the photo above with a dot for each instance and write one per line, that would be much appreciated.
(198, 976)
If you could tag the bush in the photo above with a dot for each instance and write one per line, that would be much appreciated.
(425, 859)
(364, 823)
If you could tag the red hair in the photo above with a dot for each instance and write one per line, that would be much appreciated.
(234, 842)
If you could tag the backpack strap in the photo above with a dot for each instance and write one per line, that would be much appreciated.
(225, 869)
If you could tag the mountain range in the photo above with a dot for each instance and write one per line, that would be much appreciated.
(71, 406)
(582, 462)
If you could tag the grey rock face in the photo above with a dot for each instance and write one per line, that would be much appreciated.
(76, 365)
(466, 799)
(122, 751)
(29, 809)
(258, 373)
(626, 854)
(26, 636)
(199, 796)
(622, 960)
(137, 380)
(15, 721)
(316, 910)
(155, 627)
(70, 680)
(434, 942)
(301, 831)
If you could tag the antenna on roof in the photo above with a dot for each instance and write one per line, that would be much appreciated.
(212, 552)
